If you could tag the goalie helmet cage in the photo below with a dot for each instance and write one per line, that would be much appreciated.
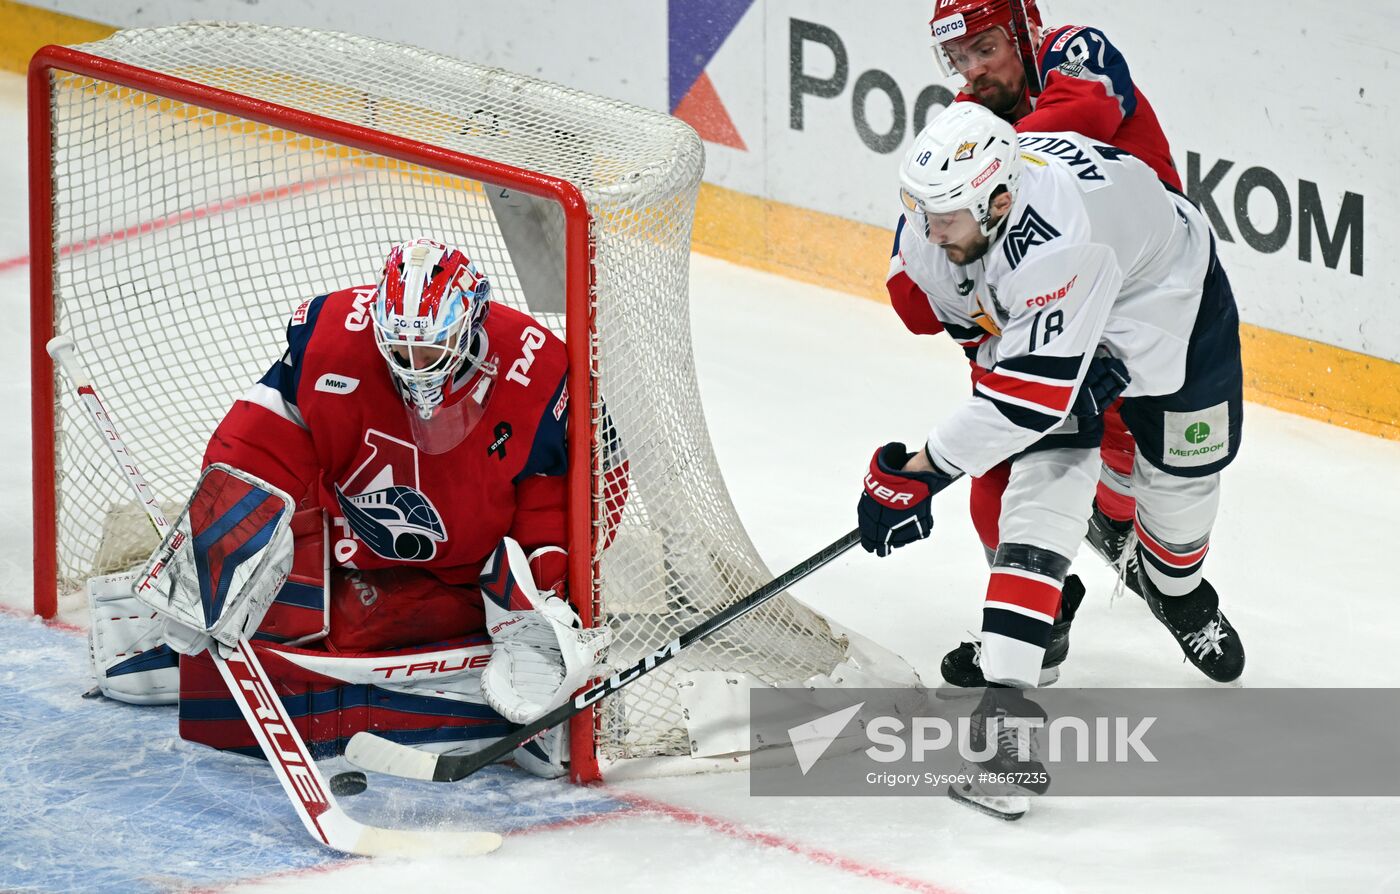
(191, 185)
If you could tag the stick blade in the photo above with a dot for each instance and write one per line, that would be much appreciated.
(350, 836)
(379, 755)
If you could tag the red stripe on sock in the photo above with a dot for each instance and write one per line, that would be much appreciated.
(1035, 595)
(1165, 554)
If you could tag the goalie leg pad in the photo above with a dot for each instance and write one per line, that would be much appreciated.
(129, 660)
(541, 654)
(416, 696)
(547, 755)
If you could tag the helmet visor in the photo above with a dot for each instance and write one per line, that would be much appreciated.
(945, 29)
(455, 415)
(938, 226)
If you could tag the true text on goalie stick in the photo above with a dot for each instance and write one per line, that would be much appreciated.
(244, 676)
(371, 752)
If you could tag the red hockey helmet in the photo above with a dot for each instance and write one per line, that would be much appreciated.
(953, 19)
(429, 311)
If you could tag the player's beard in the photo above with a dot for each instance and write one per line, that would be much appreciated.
(998, 97)
(969, 255)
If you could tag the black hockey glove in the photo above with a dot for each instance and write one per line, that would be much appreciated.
(894, 507)
(1105, 380)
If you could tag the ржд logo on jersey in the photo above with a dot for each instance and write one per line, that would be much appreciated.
(1031, 230)
(531, 339)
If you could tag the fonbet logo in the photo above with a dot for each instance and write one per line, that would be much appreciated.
(991, 169)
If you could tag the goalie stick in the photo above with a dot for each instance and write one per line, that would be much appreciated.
(371, 752)
(251, 689)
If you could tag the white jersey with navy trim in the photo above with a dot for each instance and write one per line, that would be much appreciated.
(1095, 253)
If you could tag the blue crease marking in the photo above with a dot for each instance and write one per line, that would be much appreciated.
(104, 796)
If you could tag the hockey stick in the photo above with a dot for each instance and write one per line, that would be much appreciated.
(267, 717)
(371, 752)
(1021, 28)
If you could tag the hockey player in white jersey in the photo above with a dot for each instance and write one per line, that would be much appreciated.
(1057, 249)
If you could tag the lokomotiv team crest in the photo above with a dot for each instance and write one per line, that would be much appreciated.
(382, 504)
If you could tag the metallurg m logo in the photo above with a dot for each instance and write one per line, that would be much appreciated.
(1031, 230)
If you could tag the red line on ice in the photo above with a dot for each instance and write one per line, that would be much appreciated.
(26, 613)
(778, 842)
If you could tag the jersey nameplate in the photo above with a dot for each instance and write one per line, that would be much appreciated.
(1091, 175)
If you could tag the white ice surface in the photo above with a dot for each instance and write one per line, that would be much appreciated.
(800, 385)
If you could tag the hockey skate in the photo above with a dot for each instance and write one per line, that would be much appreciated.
(1206, 637)
(962, 667)
(1110, 539)
(1001, 785)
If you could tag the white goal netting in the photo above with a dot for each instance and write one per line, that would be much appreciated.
(184, 236)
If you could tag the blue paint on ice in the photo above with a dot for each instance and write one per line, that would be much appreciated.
(96, 795)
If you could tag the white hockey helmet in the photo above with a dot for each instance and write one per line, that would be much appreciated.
(959, 160)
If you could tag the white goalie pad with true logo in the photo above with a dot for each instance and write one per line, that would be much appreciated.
(129, 660)
(221, 564)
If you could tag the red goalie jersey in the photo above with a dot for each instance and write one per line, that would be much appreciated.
(327, 425)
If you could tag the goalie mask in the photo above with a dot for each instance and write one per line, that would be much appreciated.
(429, 311)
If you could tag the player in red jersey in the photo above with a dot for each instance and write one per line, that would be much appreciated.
(1065, 78)
(429, 424)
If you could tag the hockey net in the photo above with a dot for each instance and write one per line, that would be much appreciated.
(193, 184)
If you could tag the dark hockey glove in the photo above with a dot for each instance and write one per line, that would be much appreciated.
(1105, 380)
(894, 507)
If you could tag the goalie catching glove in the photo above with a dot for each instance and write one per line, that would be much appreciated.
(220, 565)
(540, 652)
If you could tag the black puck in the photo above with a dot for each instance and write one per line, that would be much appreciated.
(348, 784)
